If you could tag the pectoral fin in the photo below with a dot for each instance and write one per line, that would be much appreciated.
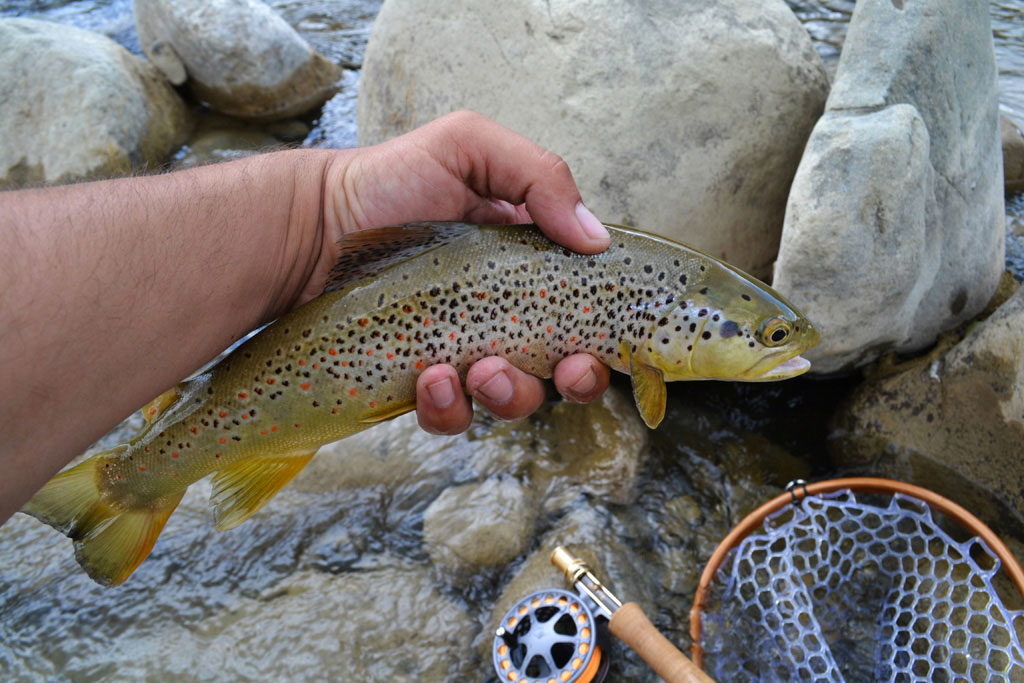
(648, 391)
(241, 490)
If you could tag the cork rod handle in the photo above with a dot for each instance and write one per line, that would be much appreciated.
(630, 625)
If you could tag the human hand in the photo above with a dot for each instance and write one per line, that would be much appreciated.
(466, 167)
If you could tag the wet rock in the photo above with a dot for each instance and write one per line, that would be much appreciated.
(596, 449)
(699, 110)
(952, 421)
(75, 105)
(239, 56)
(894, 227)
(1013, 156)
(478, 526)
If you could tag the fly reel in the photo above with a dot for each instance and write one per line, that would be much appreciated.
(550, 636)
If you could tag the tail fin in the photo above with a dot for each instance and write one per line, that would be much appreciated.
(111, 540)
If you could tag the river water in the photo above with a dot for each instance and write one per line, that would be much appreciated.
(335, 582)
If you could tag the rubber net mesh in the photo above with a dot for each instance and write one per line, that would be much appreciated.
(840, 589)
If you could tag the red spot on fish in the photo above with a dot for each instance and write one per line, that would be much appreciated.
(298, 425)
(391, 355)
(600, 335)
(263, 432)
(399, 336)
(175, 455)
(525, 349)
(363, 322)
(452, 336)
(586, 309)
(334, 411)
(543, 293)
(481, 296)
(216, 455)
(243, 395)
(333, 351)
(564, 284)
(194, 430)
(223, 413)
(426, 322)
(344, 363)
(515, 319)
(152, 411)
(271, 380)
(120, 478)
(524, 295)
(419, 365)
(245, 416)
(550, 330)
(302, 362)
(141, 468)
(572, 339)
(274, 428)
(222, 440)
(305, 386)
(353, 391)
(494, 343)
(407, 308)
(316, 366)
(369, 352)
(462, 315)
(373, 404)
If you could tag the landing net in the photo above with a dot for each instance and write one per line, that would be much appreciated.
(840, 586)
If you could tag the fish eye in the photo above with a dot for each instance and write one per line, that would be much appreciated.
(773, 332)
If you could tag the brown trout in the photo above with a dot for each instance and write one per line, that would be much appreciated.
(398, 300)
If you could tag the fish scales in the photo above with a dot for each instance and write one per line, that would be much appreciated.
(402, 299)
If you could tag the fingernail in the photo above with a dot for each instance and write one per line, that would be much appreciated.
(585, 384)
(442, 393)
(590, 224)
(498, 389)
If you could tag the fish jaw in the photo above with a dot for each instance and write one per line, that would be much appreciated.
(797, 365)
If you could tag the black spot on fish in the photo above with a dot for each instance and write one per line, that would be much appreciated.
(729, 329)
(745, 297)
(705, 335)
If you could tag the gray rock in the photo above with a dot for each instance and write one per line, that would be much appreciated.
(894, 227)
(1013, 156)
(952, 421)
(76, 105)
(478, 526)
(239, 56)
(684, 118)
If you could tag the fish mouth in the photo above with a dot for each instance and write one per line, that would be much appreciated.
(797, 365)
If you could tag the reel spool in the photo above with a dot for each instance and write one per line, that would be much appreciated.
(550, 636)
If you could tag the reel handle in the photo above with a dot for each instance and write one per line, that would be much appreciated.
(630, 625)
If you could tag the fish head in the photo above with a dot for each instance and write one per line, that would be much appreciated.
(734, 328)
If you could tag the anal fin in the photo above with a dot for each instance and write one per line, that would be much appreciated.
(388, 412)
(649, 390)
(241, 490)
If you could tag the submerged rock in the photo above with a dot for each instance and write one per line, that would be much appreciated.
(952, 421)
(682, 118)
(1013, 156)
(239, 56)
(75, 105)
(894, 228)
(478, 526)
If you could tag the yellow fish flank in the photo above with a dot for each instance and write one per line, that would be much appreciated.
(399, 300)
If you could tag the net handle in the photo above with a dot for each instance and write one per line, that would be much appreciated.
(858, 485)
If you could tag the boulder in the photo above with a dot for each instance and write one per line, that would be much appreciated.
(684, 118)
(894, 227)
(952, 421)
(478, 526)
(75, 105)
(238, 56)
(1013, 156)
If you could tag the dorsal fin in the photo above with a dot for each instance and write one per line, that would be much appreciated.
(365, 253)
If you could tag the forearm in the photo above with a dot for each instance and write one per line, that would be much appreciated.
(183, 264)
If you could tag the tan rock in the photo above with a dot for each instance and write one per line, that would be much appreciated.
(682, 118)
(75, 105)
